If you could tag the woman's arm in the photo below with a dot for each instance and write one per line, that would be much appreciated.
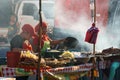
(55, 42)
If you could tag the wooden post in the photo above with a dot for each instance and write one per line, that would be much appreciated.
(95, 24)
(94, 20)
(93, 59)
(94, 11)
(39, 74)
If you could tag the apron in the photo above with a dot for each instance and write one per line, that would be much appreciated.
(45, 45)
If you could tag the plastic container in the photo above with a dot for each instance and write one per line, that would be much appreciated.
(91, 35)
(13, 59)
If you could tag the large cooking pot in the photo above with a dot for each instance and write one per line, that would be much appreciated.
(70, 42)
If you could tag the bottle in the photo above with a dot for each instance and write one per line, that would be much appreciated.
(96, 73)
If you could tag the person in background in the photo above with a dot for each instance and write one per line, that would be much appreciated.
(46, 41)
(13, 27)
(115, 65)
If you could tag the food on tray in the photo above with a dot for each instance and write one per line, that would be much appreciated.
(67, 54)
(29, 59)
(28, 54)
(53, 51)
(52, 62)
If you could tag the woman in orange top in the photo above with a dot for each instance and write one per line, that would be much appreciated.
(46, 41)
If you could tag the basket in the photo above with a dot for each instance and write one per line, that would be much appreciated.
(13, 59)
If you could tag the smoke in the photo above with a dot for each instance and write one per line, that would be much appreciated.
(113, 28)
(5, 12)
(73, 20)
(109, 35)
(76, 21)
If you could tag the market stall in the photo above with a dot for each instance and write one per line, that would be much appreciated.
(53, 70)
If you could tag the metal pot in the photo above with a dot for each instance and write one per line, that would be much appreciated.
(70, 42)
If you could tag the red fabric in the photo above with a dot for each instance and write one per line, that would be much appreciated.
(44, 38)
(44, 24)
(28, 28)
(91, 35)
(35, 41)
(8, 72)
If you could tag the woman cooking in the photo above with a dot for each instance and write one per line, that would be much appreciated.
(46, 42)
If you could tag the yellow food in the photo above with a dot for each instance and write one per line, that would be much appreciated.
(67, 54)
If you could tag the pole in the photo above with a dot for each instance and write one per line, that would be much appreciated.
(39, 74)
(93, 59)
(94, 11)
(95, 23)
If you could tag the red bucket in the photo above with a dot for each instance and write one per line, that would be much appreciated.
(13, 59)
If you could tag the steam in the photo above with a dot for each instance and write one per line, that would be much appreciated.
(5, 12)
(78, 24)
(114, 23)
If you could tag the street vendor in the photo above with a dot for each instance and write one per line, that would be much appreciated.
(21, 42)
(46, 41)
